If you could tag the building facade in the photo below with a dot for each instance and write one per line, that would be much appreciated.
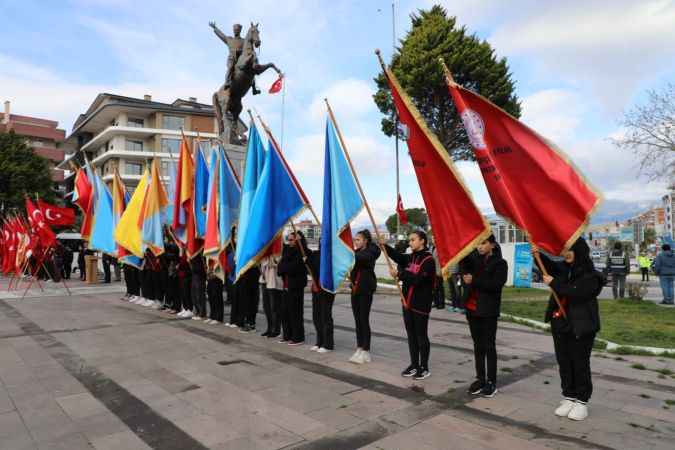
(668, 201)
(127, 133)
(44, 136)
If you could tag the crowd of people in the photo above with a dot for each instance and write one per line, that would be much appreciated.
(194, 289)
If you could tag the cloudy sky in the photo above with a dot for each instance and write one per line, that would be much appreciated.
(578, 65)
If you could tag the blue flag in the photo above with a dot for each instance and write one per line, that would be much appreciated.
(277, 200)
(101, 237)
(255, 160)
(201, 192)
(229, 196)
(341, 204)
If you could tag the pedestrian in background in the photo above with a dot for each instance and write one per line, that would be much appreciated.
(664, 268)
(645, 263)
(618, 264)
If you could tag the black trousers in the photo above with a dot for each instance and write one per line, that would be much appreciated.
(199, 294)
(185, 293)
(574, 364)
(214, 288)
(173, 292)
(271, 299)
(322, 316)
(162, 286)
(106, 271)
(147, 284)
(361, 304)
(295, 316)
(417, 326)
(236, 314)
(285, 316)
(67, 268)
(132, 281)
(484, 334)
(645, 273)
(252, 302)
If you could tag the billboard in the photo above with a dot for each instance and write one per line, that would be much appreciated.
(522, 265)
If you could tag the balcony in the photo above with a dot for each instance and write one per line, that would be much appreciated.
(137, 132)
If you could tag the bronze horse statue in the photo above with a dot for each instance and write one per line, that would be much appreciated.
(227, 100)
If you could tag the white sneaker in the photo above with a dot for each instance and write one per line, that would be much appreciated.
(314, 348)
(355, 357)
(188, 314)
(180, 314)
(323, 350)
(565, 407)
(156, 305)
(147, 303)
(194, 317)
(365, 357)
(579, 411)
(136, 299)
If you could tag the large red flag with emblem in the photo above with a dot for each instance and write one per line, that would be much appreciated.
(531, 182)
(37, 222)
(457, 223)
(56, 215)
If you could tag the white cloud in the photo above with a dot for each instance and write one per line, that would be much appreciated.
(553, 113)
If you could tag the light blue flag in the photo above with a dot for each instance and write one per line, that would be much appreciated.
(341, 204)
(229, 196)
(277, 200)
(255, 154)
(201, 191)
(101, 237)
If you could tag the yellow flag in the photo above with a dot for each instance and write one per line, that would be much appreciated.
(128, 232)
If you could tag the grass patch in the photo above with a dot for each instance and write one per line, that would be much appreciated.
(386, 281)
(626, 322)
(599, 345)
(669, 402)
(506, 369)
(665, 371)
(638, 366)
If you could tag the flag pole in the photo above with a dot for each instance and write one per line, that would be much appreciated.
(363, 197)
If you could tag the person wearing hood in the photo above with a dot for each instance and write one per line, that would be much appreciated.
(664, 268)
(417, 271)
(484, 273)
(577, 284)
(363, 283)
(293, 271)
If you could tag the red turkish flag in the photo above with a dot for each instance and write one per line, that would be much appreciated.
(277, 85)
(56, 215)
(457, 223)
(402, 216)
(37, 221)
(531, 182)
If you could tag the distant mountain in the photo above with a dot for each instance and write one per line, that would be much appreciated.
(618, 210)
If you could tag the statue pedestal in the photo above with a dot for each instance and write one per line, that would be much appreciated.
(237, 155)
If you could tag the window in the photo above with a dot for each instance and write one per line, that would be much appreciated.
(135, 123)
(136, 146)
(170, 145)
(134, 168)
(173, 122)
(166, 168)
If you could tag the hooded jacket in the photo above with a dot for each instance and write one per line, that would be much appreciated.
(579, 284)
(362, 276)
(292, 268)
(489, 276)
(664, 264)
(418, 273)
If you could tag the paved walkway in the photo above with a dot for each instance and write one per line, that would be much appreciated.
(90, 371)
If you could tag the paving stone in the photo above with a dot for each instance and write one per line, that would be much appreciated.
(79, 406)
(123, 440)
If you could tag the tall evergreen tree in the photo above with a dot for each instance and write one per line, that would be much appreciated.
(472, 62)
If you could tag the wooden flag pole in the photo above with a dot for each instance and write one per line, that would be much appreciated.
(537, 257)
(363, 198)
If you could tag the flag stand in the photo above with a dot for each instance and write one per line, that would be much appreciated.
(365, 202)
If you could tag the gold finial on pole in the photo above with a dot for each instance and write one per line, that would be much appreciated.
(448, 75)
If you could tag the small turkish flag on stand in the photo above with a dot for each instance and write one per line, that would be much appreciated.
(37, 221)
(277, 85)
(56, 215)
(402, 216)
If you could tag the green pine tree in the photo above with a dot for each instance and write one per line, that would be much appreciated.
(472, 62)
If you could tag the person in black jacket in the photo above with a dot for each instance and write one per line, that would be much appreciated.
(417, 271)
(364, 284)
(578, 285)
(484, 274)
(293, 270)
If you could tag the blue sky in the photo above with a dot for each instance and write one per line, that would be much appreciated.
(577, 66)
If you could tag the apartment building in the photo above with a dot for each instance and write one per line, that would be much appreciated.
(126, 132)
(44, 136)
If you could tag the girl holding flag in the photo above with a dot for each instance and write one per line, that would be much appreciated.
(417, 274)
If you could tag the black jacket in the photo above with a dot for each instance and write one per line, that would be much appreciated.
(417, 287)
(292, 269)
(488, 278)
(362, 276)
(579, 284)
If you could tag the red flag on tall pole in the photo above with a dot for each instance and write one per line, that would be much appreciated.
(277, 85)
(56, 215)
(531, 182)
(400, 210)
(37, 221)
(457, 223)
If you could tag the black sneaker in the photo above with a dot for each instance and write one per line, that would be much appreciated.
(245, 329)
(489, 390)
(422, 374)
(265, 334)
(476, 387)
(411, 371)
(273, 335)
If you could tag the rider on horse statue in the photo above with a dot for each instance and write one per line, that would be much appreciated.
(236, 45)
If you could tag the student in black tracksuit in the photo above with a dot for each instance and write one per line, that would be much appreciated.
(484, 274)
(322, 306)
(198, 269)
(578, 285)
(293, 270)
(417, 271)
(214, 289)
(364, 284)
